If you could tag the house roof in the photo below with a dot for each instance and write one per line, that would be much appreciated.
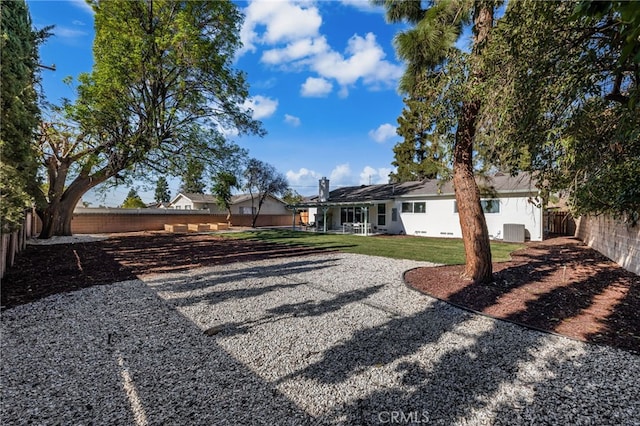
(208, 198)
(200, 198)
(244, 197)
(499, 183)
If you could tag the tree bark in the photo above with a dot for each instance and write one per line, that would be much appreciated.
(57, 215)
(472, 221)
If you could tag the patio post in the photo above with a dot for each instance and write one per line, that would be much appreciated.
(324, 219)
(365, 212)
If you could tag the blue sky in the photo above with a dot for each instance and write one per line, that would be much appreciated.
(322, 74)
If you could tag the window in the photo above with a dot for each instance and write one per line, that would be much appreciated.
(394, 214)
(420, 207)
(247, 210)
(488, 206)
(187, 207)
(382, 215)
(351, 214)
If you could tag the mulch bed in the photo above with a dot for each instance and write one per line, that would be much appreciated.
(559, 285)
(45, 270)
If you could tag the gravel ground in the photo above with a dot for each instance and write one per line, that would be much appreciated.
(326, 339)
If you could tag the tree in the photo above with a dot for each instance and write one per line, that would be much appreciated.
(450, 80)
(162, 191)
(291, 196)
(222, 190)
(420, 155)
(162, 73)
(19, 112)
(263, 180)
(192, 177)
(133, 201)
(564, 91)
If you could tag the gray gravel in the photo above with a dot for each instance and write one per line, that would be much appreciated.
(331, 339)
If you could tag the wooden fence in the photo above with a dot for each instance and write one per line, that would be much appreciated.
(15, 242)
(560, 223)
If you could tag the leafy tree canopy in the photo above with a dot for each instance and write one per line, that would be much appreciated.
(162, 194)
(224, 183)
(19, 111)
(161, 88)
(563, 101)
(133, 201)
(263, 180)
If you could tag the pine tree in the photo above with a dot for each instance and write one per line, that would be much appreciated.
(162, 191)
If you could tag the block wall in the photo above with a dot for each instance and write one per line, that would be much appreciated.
(614, 239)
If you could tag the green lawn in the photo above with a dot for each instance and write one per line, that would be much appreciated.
(449, 251)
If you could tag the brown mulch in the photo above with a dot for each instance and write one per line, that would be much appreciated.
(559, 285)
(45, 270)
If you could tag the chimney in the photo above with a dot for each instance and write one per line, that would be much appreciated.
(323, 194)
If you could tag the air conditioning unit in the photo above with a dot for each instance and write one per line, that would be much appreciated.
(513, 233)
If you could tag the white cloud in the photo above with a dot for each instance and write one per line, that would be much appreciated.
(362, 5)
(363, 60)
(383, 133)
(340, 175)
(283, 21)
(303, 178)
(289, 33)
(79, 23)
(261, 106)
(292, 120)
(69, 33)
(295, 51)
(372, 176)
(316, 87)
(82, 4)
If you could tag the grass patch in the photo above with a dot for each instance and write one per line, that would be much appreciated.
(448, 251)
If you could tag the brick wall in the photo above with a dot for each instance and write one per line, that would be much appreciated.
(97, 221)
(616, 240)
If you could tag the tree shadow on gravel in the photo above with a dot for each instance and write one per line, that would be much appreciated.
(496, 373)
(135, 360)
(308, 308)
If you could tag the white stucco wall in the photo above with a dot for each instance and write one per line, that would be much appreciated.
(270, 206)
(182, 203)
(440, 220)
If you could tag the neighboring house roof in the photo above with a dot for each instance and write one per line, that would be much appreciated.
(210, 199)
(499, 183)
(244, 197)
(156, 205)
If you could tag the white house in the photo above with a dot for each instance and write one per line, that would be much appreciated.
(427, 208)
(240, 204)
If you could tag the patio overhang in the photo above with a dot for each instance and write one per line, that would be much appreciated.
(326, 205)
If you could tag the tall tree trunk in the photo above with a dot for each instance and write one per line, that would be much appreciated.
(57, 215)
(472, 221)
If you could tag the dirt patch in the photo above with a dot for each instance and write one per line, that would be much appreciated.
(559, 285)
